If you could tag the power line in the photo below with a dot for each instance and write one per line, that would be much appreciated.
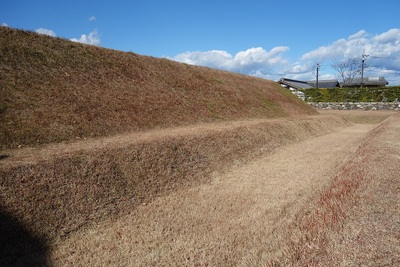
(392, 57)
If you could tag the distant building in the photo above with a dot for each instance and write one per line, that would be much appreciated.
(297, 86)
(301, 85)
(366, 82)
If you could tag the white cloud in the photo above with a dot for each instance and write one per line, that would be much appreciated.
(93, 38)
(213, 58)
(383, 50)
(391, 36)
(342, 48)
(92, 18)
(253, 61)
(357, 35)
(385, 44)
(4, 24)
(46, 32)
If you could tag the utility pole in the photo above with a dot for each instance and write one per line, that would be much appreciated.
(316, 79)
(364, 56)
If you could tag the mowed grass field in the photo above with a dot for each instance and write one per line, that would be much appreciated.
(116, 159)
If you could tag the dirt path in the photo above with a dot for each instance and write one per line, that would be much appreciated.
(228, 222)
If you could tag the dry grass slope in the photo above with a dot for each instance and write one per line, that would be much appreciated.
(58, 195)
(168, 127)
(355, 220)
(55, 90)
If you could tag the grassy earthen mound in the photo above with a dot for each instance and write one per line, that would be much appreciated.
(89, 134)
(55, 90)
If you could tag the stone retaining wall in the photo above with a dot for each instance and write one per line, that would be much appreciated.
(356, 105)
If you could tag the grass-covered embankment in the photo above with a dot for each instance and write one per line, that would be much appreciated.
(55, 90)
(59, 194)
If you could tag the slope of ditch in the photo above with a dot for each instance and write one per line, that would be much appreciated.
(242, 216)
(370, 235)
(56, 194)
(58, 190)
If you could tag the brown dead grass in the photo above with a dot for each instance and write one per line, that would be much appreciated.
(84, 186)
(227, 222)
(371, 234)
(361, 116)
(63, 189)
(238, 218)
(355, 220)
(54, 196)
(55, 90)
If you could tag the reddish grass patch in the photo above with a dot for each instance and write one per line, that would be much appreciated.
(308, 237)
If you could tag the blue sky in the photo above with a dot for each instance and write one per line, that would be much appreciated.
(269, 39)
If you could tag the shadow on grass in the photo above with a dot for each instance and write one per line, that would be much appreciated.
(4, 157)
(18, 247)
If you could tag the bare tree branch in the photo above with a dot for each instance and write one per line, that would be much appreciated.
(348, 69)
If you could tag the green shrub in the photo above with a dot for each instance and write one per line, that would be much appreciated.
(378, 94)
